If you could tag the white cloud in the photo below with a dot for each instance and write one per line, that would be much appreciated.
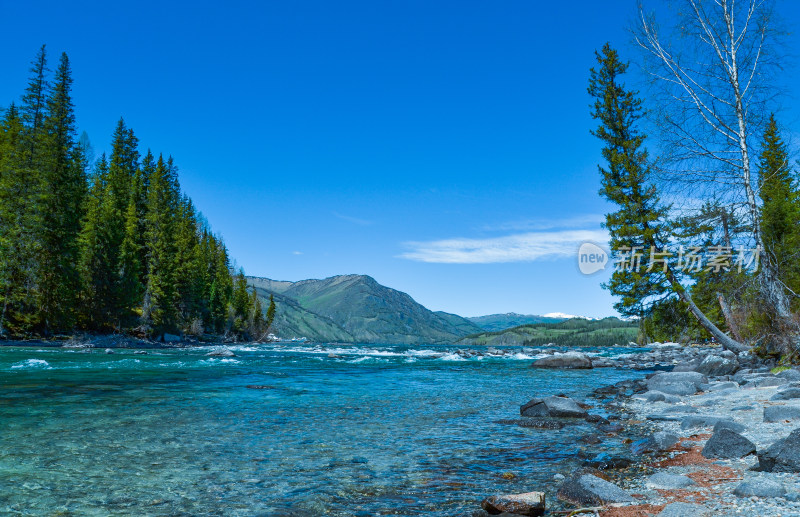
(524, 247)
(297, 253)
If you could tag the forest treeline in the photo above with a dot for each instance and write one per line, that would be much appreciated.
(108, 244)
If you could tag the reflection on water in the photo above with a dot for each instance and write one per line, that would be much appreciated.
(277, 430)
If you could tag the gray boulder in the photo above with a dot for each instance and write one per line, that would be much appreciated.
(657, 442)
(726, 385)
(789, 375)
(589, 490)
(568, 360)
(781, 456)
(563, 407)
(736, 427)
(660, 396)
(666, 481)
(716, 366)
(787, 394)
(781, 413)
(765, 382)
(684, 510)
(760, 487)
(691, 421)
(529, 503)
(728, 444)
(677, 383)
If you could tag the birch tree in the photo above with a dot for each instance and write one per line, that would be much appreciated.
(713, 76)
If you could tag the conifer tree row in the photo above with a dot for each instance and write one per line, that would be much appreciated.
(107, 246)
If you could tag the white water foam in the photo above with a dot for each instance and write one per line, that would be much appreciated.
(32, 363)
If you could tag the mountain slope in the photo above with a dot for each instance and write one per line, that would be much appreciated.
(498, 322)
(292, 320)
(574, 332)
(363, 310)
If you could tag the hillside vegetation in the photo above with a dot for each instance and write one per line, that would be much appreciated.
(573, 332)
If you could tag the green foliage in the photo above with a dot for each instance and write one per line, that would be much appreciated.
(780, 207)
(638, 223)
(574, 332)
(102, 245)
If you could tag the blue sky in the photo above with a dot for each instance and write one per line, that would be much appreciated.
(440, 147)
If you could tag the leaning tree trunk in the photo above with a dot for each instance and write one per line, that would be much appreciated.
(727, 342)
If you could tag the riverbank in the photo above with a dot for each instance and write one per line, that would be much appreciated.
(711, 437)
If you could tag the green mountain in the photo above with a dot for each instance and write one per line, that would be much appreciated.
(573, 332)
(498, 322)
(356, 308)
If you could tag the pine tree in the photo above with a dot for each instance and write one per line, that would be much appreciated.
(257, 324)
(63, 197)
(240, 302)
(21, 197)
(12, 210)
(780, 208)
(637, 223)
(160, 305)
(97, 267)
(270, 313)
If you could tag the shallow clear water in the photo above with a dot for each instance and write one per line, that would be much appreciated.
(375, 430)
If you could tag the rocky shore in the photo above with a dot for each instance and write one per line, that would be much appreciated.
(706, 433)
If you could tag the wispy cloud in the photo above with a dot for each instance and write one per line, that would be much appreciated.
(524, 247)
(297, 253)
(531, 225)
(354, 220)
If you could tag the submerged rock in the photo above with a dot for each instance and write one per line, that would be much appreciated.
(221, 352)
(529, 503)
(590, 490)
(563, 407)
(569, 360)
(782, 456)
(534, 423)
(604, 461)
(728, 444)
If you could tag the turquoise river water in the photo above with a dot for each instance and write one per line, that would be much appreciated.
(332, 430)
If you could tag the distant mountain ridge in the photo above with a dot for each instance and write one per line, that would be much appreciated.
(498, 322)
(357, 309)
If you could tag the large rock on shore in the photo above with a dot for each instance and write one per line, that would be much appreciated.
(657, 442)
(568, 360)
(667, 481)
(727, 444)
(781, 413)
(787, 394)
(781, 456)
(589, 490)
(718, 365)
(760, 487)
(680, 509)
(563, 407)
(529, 503)
(677, 383)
